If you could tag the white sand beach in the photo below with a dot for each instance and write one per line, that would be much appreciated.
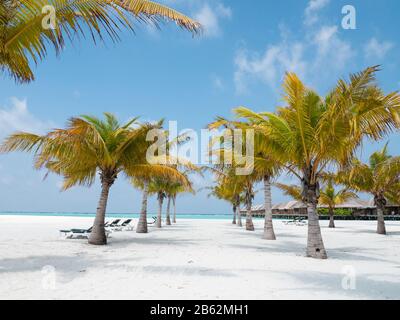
(196, 259)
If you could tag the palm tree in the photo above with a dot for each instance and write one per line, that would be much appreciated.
(157, 187)
(312, 133)
(89, 146)
(26, 34)
(331, 198)
(248, 200)
(226, 192)
(174, 189)
(393, 195)
(292, 191)
(265, 168)
(380, 178)
(142, 184)
(243, 185)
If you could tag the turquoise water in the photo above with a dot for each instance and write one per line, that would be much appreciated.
(113, 215)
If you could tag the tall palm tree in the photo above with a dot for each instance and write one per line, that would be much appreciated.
(380, 178)
(226, 192)
(331, 198)
(87, 146)
(157, 187)
(243, 185)
(265, 166)
(292, 191)
(143, 185)
(312, 133)
(174, 189)
(26, 34)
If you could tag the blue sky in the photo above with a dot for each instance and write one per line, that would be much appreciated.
(239, 60)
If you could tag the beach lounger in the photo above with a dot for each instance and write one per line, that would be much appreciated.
(153, 222)
(76, 233)
(111, 224)
(79, 233)
(124, 226)
(298, 221)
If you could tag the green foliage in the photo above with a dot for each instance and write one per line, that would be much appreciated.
(338, 212)
(23, 39)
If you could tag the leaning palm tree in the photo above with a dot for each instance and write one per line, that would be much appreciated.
(28, 28)
(89, 146)
(331, 198)
(380, 178)
(312, 133)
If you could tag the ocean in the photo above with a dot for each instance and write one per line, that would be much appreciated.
(115, 215)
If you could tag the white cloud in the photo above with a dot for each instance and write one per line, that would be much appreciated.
(331, 48)
(18, 118)
(376, 49)
(311, 13)
(210, 18)
(270, 66)
(318, 53)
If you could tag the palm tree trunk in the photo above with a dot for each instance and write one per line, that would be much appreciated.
(98, 234)
(142, 224)
(168, 222)
(234, 214)
(331, 217)
(239, 216)
(269, 233)
(174, 204)
(380, 203)
(315, 244)
(159, 215)
(249, 216)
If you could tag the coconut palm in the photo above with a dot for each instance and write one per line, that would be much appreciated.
(292, 191)
(27, 30)
(380, 178)
(393, 195)
(331, 198)
(264, 169)
(174, 189)
(88, 146)
(158, 187)
(143, 185)
(312, 133)
(226, 192)
(243, 185)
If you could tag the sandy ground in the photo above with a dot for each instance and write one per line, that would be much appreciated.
(196, 259)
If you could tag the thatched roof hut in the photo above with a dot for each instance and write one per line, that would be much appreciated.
(357, 207)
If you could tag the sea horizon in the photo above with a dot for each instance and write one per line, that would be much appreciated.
(111, 215)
